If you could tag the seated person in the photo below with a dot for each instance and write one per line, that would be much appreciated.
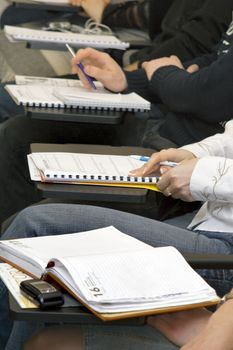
(194, 107)
(174, 26)
(189, 330)
(204, 173)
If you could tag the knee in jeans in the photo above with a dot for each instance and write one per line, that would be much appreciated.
(38, 341)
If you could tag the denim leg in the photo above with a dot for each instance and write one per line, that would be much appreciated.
(21, 331)
(5, 322)
(62, 218)
(55, 219)
(65, 218)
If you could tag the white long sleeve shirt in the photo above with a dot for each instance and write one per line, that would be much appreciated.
(212, 181)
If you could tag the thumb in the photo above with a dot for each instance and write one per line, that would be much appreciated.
(193, 68)
(144, 64)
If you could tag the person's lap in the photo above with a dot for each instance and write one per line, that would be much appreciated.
(66, 218)
(100, 337)
(55, 219)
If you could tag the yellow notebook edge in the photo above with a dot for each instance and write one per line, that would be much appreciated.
(152, 187)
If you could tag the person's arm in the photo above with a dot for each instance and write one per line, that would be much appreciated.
(93, 8)
(198, 329)
(137, 81)
(202, 61)
(218, 333)
(219, 145)
(103, 68)
(211, 180)
(131, 14)
(197, 34)
(206, 93)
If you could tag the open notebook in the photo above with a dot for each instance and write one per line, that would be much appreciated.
(14, 33)
(68, 93)
(93, 169)
(114, 275)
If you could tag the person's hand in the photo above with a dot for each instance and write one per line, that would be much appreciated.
(193, 68)
(181, 327)
(153, 164)
(217, 334)
(152, 66)
(76, 2)
(131, 67)
(93, 8)
(176, 181)
(102, 67)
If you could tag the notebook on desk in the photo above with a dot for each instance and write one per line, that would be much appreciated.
(92, 267)
(69, 93)
(92, 169)
(15, 34)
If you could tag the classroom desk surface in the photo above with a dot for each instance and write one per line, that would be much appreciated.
(27, 4)
(137, 39)
(76, 115)
(88, 192)
(75, 314)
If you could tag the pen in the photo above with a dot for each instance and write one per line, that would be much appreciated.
(80, 66)
(142, 158)
(146, 158)
(168, 163)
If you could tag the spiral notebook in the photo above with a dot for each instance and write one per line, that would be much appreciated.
(14, 33)
(83, 168)
(69, 93)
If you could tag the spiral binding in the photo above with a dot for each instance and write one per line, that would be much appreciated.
(96, 107)
(99, 178)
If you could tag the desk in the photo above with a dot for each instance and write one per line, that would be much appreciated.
(76, 115)
(137, 39)
(78, 315)
(27, 4)
(88, 192)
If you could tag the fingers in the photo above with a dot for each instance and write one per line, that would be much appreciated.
(193, 68)
(76, 2)
(153, 164)
(144, 64)
(93, 57)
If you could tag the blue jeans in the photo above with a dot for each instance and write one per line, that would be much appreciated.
(55, 219)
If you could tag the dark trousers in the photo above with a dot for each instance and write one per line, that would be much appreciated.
(17, 190)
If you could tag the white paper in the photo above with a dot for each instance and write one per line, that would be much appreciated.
(133, 280)
(78, 40)
(34, 253)
(61, 167)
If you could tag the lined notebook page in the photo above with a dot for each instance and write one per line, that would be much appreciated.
(45, 92)
(14, 33)
(60, 166)
(101, 98)
(155, 277)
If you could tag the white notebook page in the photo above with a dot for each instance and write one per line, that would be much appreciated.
(159, 276)
(58, 163)
(15, 33)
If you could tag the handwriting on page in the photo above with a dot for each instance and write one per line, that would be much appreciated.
(92, 164)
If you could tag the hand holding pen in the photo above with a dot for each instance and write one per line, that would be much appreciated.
(146, 159)
(169, 158)
(80, 66)
(102, 67)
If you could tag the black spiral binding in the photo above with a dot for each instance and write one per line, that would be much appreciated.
(100, 178)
